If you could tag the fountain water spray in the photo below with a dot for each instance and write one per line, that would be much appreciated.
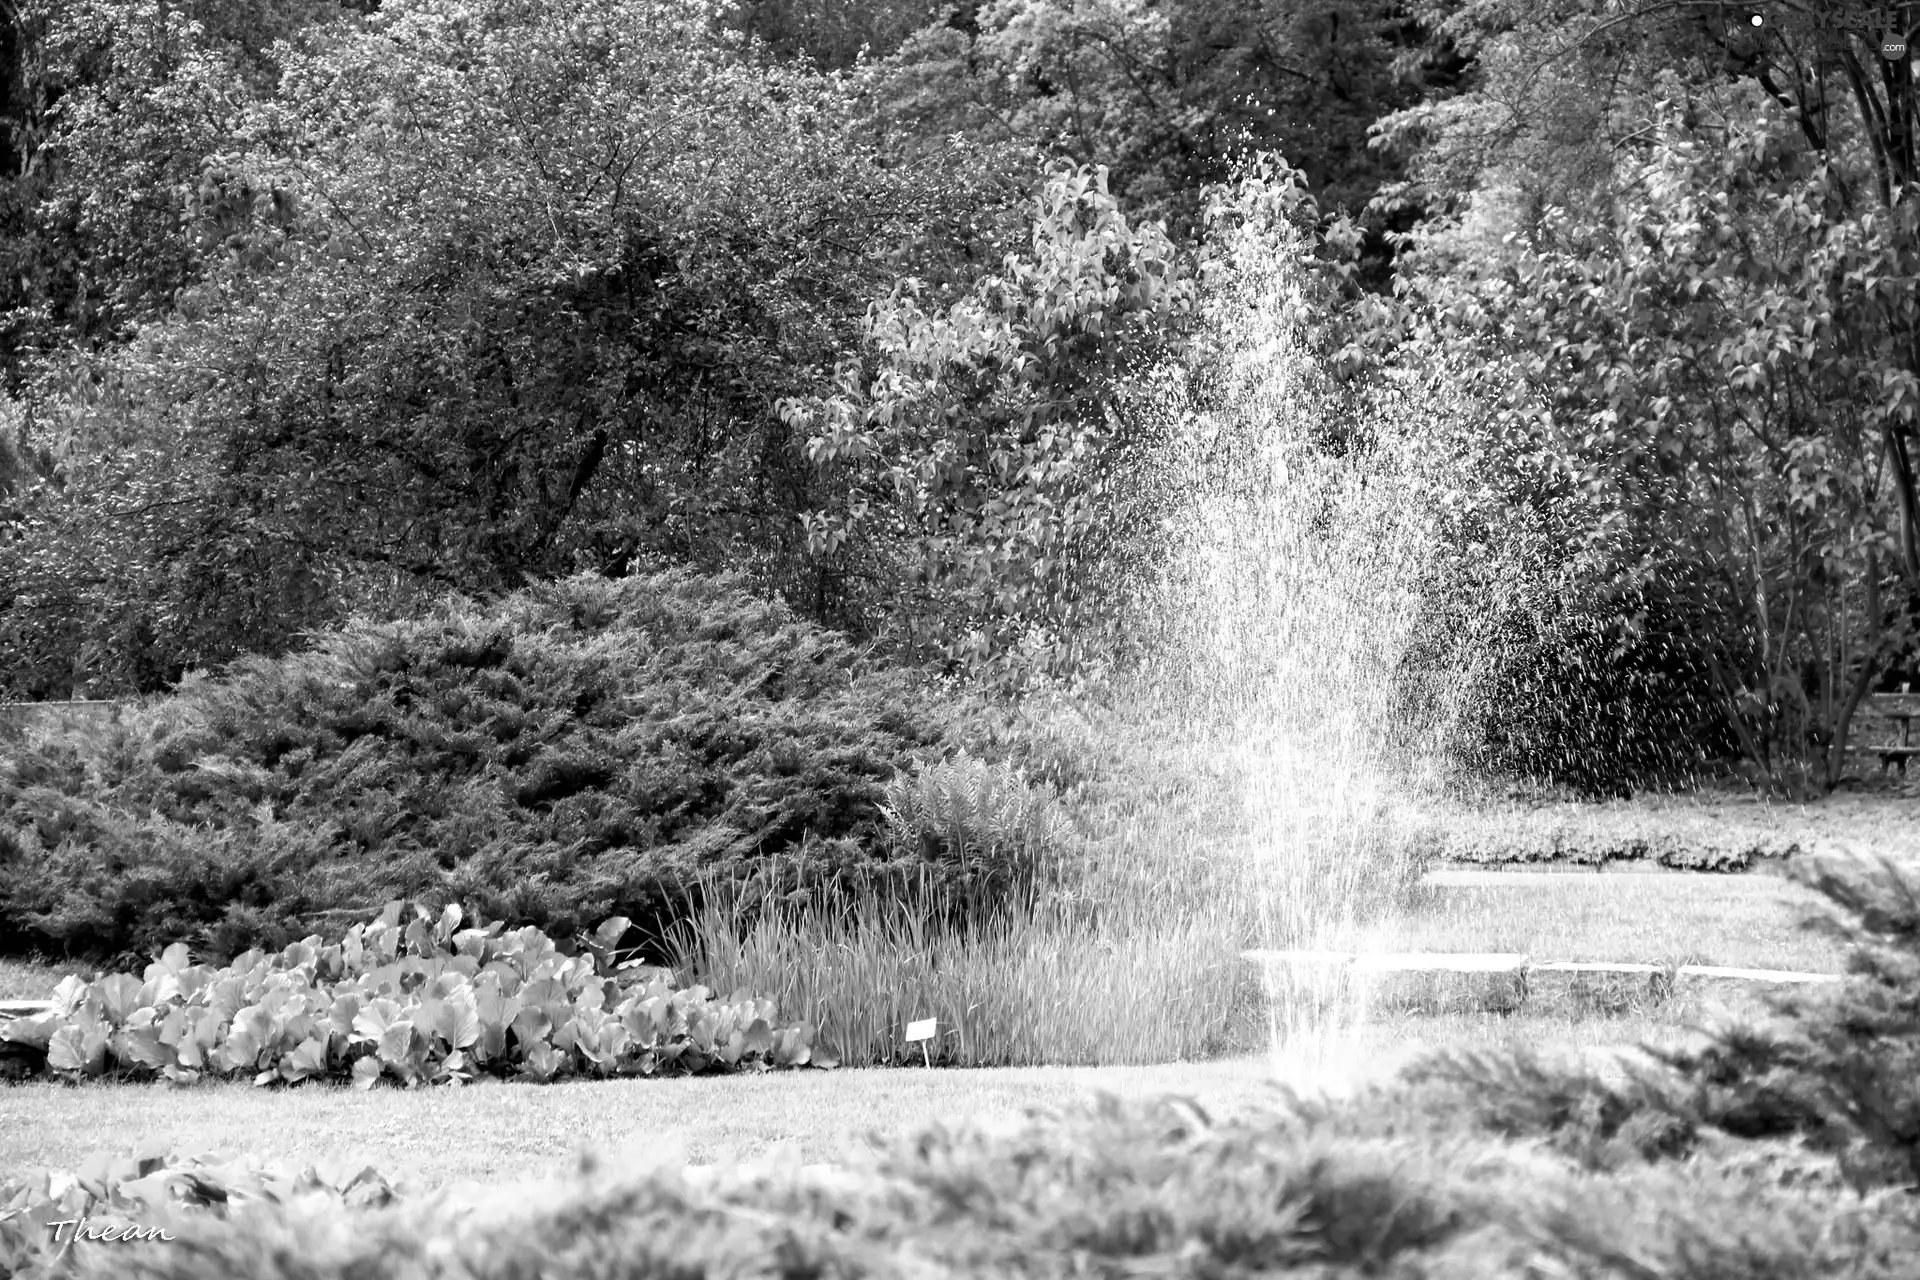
(1282, 610)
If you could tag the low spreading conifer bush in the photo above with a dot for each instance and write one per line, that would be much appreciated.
(579, 750)
(1103, 1189)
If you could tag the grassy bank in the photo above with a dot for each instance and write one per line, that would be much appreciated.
(1534, 1144)
(1496, 1169)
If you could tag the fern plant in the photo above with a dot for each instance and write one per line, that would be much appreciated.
(998, 838)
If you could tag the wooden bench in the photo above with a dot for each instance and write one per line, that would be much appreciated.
(1902, 709)
(1896, 757)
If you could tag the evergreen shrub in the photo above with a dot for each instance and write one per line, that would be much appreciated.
(1102, 1188)
(577, 750)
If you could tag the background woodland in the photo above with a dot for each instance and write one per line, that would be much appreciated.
(315, 311)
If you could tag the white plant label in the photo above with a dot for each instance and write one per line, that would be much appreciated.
(921, 1030)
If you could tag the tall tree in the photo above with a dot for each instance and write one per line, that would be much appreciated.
(108, 110)
(494, 288)
(831, 34)
(1685, 256)
(1562, 112)
(1166, 95)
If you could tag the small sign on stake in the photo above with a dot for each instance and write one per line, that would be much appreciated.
(922, 1031)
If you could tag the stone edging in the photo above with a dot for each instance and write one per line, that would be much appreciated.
(1512, 962)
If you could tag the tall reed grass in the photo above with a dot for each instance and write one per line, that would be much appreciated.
(1018, 988)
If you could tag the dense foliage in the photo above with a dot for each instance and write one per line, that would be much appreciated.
(990, 459)
(1715, 398)
(482, 293)
(421, 1003)
(580, 750)
(1679, 255)
(315, 308)
(1170, 94)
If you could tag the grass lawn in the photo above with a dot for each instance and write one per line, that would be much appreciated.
(1747, 921)
(1743, 921)
(498, 1132)
(22, 980)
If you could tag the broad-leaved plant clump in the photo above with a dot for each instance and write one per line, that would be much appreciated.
(414, 1002)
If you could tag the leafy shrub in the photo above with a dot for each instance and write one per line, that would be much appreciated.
(574, 751)
(424, 1002)
(1728, 851)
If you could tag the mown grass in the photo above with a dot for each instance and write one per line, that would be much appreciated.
(1744, 921)
(1120, 1191)
(499, 1133)
(1747, 921)
(34, 979)
(502, 1132)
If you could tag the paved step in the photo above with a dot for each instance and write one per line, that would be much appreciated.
(1754, 975)
(1483, 982)
(1509, 962)
(1539, 877)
